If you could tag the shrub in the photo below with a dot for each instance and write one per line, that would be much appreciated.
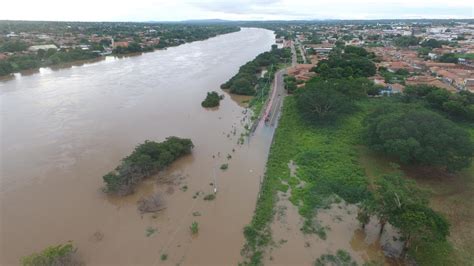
(212, 100)
(194, 228)
(53, 255)
(147, 159)
(209, 197)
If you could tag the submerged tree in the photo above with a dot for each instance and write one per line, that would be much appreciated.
(419, 223)
(392, 193)
(147, 159)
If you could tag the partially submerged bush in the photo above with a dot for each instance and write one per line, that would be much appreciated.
(224, 166)
(147, 159)
(53, 256)
(209, 197)
(212, 99)
(194, 228)
(153, 203)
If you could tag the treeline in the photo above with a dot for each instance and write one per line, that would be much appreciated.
(147, 159)
(458, 106)
(419, 127)
(350, 61)
(246, 79)
(402, 127)
(42, 59)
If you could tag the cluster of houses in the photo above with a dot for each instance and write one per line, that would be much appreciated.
(379, 40)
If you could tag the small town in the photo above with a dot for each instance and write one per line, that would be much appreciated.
(440, 55)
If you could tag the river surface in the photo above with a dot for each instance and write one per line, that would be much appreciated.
(61, 130)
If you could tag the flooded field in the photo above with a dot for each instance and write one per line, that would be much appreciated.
(61, 130)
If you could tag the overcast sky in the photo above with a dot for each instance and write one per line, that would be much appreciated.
(174, 10)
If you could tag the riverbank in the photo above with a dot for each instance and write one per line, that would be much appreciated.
(313, 178)
(31, 63)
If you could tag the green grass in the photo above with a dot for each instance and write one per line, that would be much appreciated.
(332, 160)
(327, 163)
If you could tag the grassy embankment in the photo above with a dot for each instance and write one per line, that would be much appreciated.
(332, 160)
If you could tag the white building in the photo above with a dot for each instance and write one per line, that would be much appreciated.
(45, 47)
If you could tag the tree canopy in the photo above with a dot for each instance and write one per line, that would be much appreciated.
(354, 62)
(325, 100)
(459, 106)
(405, 41)
(418, 136)
(147, 159)
(246, 79)
(212, 100)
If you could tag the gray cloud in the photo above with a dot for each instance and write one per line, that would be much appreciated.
(240, 7)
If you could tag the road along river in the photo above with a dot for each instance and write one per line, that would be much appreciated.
(61, 130)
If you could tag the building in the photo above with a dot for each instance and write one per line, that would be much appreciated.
(45, 47)
(120, 44)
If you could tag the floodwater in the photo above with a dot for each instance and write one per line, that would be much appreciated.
(61, 130)
(342, 232)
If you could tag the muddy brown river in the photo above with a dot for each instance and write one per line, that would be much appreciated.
(62, 129)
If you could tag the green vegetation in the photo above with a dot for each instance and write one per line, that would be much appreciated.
(212, 100)
(13, 46)
(342, 258)
(448, 58)
(194, 228)
(405, 41)
(330, 168)
(432, 43)
(164, 257)
(327, 163)
(224, 166)
(137, 34)
(458, 106)
(352, 63)
(150, 231)
(398, 76)
(323, 101)
(53, 255)
(465, 56)
(42, 59)
(245, 81)
(418, 136)
(209, 197)
(290, 84)
(147, 159)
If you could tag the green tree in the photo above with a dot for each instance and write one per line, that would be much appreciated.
(419, 223)
(418, 136)
(431, 43)
(212, 100)
(13, 46)
(392, 193)
(322, 104)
